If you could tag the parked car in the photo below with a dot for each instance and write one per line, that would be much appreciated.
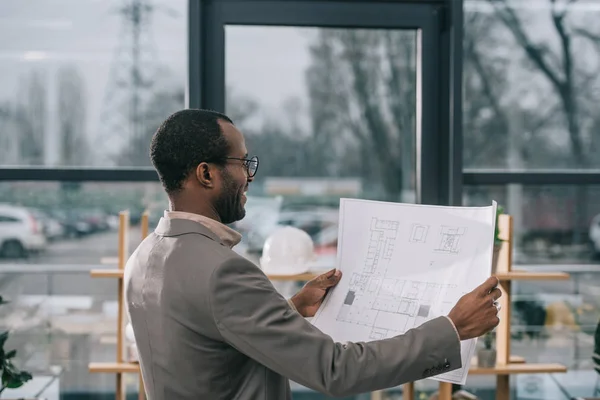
(595, 235)
(51, 228)
(21, 233)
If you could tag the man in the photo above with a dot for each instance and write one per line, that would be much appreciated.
(210, 325)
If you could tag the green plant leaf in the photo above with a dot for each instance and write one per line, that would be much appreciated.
(14, 384)
(3, 337)
(12, 378)
(25, 376)
(10, 354)
(497, 240)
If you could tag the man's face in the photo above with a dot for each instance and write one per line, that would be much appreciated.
(233, 184)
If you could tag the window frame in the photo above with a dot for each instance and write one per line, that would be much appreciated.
(439, 153)
(498, 177)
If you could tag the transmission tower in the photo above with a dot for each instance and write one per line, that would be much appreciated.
(131, 80)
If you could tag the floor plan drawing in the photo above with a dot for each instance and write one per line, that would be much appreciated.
(381, 245)
(389, 306)
(403, 265)
(450, 238)
(419, 233)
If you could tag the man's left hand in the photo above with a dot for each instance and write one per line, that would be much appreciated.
(309, 298)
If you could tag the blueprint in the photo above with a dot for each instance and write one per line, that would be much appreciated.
(404, 264)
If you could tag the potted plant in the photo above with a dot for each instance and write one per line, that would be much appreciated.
(12, 377)
(486, 356)
(497, 241)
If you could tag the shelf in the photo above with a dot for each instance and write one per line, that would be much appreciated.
(521, 368)
(117, 273)
(300, 277)
(532, 276)
(110, 368)
(509, 276)
(106, 273)
(516, 359)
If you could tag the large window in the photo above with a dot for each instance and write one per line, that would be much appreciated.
(336, 104)
(552, 223)
(316, 105)
(84, 84)
(87, 82)
(532, 91)
(530, 140)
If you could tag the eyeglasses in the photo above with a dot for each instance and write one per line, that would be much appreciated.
(251, 164)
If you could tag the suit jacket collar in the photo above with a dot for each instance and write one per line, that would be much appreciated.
(176, 227)
(227, 236)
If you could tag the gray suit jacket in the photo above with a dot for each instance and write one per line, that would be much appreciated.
(210, 325)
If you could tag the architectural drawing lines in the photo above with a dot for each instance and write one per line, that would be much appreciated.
(390, 306)
(380, 249)
(419, 233)
(450, 238)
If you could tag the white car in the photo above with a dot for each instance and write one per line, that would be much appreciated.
(21, 233)
(595, 235)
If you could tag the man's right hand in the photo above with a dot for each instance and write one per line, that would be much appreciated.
(475, 313)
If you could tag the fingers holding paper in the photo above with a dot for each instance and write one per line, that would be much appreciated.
(476, 312)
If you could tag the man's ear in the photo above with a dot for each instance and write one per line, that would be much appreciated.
(205, 175)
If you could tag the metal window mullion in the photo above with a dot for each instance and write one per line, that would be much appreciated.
(79, 174)
(492, 178)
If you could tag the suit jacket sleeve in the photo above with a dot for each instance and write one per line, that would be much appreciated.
(255, 319)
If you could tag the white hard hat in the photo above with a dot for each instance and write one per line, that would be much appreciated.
(287, 251)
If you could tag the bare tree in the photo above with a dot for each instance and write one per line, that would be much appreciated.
(72, 115)
(9, 135)
(569, 79)
(485, 119)
(560, 67)
(362, 87)
(491, 105)
(30, 116)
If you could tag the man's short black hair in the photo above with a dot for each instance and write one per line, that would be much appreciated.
(184, 140)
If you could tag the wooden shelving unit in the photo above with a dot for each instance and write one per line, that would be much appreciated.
(506, 364)
(121, 366)
(114, 368)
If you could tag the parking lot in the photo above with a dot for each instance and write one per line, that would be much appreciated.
(86, 250)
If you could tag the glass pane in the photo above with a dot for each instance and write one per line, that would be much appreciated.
(556, 228)
(71, 224)
(51, 235)
(87, 82)
(330, 113)
(531, 84)
(552, 224)
(59, 322)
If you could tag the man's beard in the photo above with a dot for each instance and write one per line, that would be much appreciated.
(229, 205)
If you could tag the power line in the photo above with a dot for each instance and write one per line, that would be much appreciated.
(132, 76)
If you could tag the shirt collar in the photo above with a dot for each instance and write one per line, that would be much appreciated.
(228, 236)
